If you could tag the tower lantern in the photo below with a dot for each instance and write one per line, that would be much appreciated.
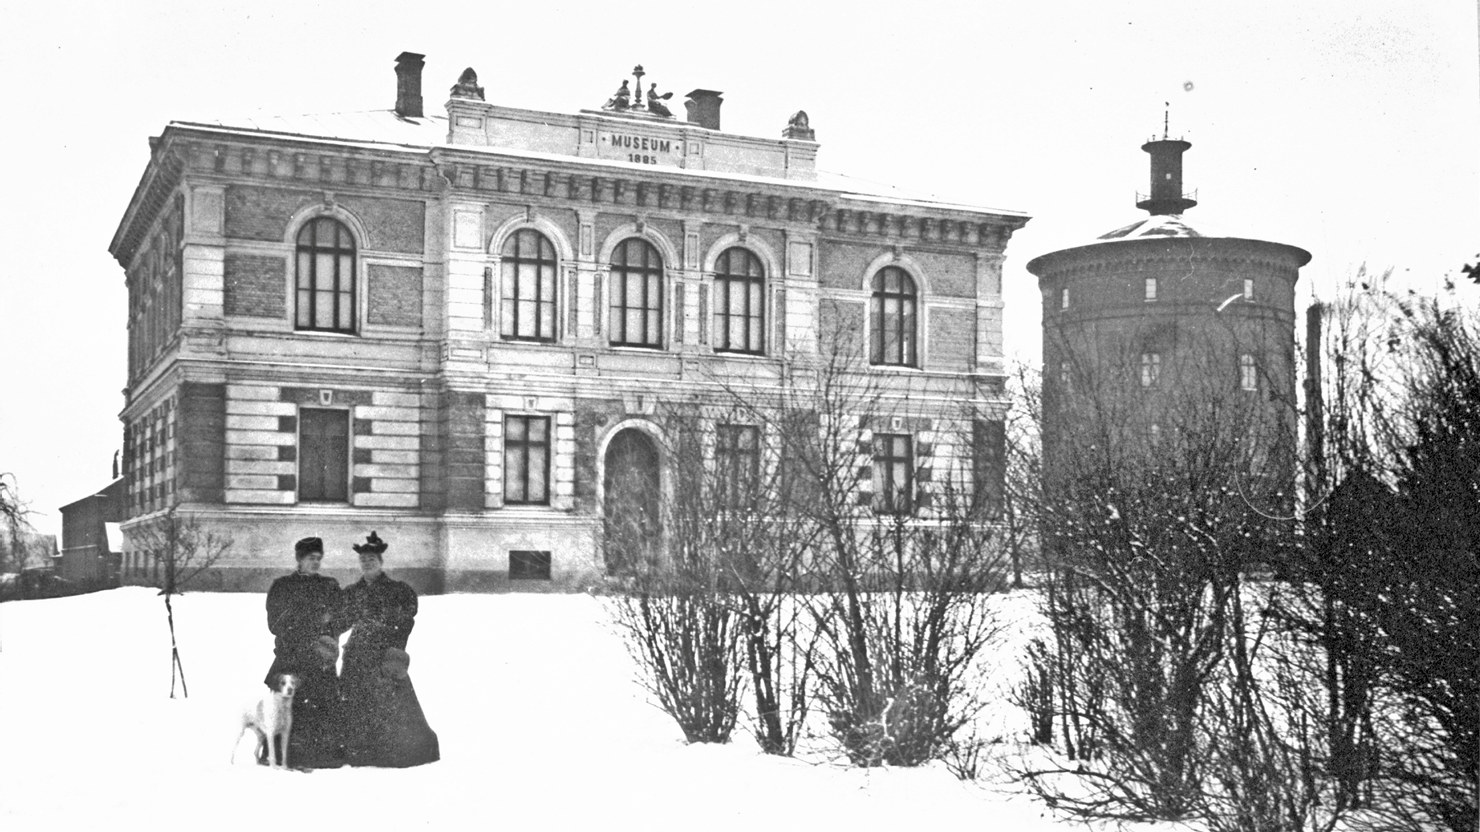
(1166, 195)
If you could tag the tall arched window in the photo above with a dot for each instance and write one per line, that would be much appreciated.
(528, 308)
(326, 276)
(892, 318)
(636, 295)
(739, 302)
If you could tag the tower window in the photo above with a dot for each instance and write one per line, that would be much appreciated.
(1248, 372)
(1064, 298)
(1150, 288)
(1248, 288)
(1150, 369)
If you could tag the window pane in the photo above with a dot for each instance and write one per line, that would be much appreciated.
(507, 280)
(515, 460)
(529, 285)
(305, 300)
(539, 430)
(324, 271)
(506, 317)
(537, 491)
(515, 429)
(324, 310)
(305, 270)
(346, 312)
(653, 333)
(654, 292)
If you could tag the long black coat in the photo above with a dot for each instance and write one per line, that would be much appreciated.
(300, 610)
(384, 722)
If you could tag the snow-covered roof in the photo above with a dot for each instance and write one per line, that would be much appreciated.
(1155, 226)
(384, 128)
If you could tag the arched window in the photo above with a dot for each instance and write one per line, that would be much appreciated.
(892, 318)
(636, 295)
(326, 276)
(528, 287)
(739, 302)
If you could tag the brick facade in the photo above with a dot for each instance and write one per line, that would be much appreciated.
(255, 285)
(395, 294)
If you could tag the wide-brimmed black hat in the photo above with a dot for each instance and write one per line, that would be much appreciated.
(308, 546)
(373, 545)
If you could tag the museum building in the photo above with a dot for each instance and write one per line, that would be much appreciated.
(441, 326)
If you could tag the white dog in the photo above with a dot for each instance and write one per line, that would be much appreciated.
(271, 718)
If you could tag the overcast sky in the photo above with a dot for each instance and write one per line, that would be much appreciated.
(1346, 127)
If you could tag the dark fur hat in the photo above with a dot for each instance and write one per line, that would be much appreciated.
(307, 546)
(373, 545)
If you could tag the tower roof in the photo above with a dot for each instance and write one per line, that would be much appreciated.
(1156, 225)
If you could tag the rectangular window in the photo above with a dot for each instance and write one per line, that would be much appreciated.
(988, 464)
(527, 460)
(1064, 298)
(894, 473)
(1150, 369)
(323, 455)
(1150, 288)
(1248, 288)
(737, 456)
(529, 565)
(1065, 376)
(1248, 372)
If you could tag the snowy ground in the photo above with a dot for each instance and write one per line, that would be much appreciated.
(532, 696)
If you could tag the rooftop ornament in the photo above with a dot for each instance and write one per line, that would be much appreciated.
(624, 100)
(467, 85)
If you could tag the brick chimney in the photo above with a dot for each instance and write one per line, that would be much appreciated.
(408, 84)
(703, 108)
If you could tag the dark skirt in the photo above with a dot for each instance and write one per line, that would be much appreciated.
(382, 718)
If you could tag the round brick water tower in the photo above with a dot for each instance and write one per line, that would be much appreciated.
(1156, 331)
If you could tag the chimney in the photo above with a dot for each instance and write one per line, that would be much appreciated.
(408, 84)
(703, 108)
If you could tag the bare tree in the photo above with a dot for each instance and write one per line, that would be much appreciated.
(871, 601)
(906, 558)
(179, 547)
(1167, 486)
(14, 528)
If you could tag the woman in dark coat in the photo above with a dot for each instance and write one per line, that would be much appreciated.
(303, 615)
(383, 719)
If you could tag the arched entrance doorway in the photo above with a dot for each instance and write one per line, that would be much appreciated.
(632, 523)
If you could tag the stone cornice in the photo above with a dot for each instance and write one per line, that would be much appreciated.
(207, 155)
(1111, 255)
(658, 189)
(161, 177)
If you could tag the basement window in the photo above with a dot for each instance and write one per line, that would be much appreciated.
(525, 565)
